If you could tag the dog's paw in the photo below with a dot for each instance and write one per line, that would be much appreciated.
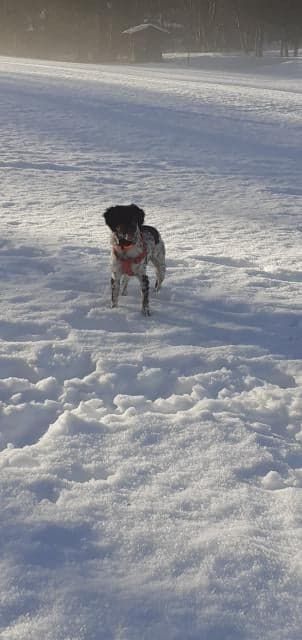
(146, 312)
(157, 286)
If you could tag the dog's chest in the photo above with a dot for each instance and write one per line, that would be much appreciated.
(144, 246)
(125, 253)
(129, 260)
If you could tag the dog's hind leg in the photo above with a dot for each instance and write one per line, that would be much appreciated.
(160, 269)
(115, 290)
(160, 275)
(124, 287)
(144, 281)
(158, 260)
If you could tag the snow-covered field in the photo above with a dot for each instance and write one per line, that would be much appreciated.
(151, 469)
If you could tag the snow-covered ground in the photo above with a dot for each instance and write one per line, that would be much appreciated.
(151, 469)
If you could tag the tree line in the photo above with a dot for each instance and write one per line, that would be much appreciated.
(91, 30)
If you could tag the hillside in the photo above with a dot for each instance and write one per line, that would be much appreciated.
(151, 468)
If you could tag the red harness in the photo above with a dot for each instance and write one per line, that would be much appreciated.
(127, 263)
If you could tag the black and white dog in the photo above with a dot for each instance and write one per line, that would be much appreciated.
(133, 245)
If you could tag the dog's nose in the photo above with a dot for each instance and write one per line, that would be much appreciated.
(127, 235)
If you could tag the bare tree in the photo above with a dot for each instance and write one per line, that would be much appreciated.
(91, 29)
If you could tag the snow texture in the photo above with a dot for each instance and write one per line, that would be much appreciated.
(151, 469)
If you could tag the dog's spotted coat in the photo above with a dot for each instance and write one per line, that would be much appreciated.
(133, 246)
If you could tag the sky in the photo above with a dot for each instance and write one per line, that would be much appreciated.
(151, 468)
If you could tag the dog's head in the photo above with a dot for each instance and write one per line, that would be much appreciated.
(124, 221)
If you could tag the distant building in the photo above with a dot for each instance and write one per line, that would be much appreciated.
(146, 42)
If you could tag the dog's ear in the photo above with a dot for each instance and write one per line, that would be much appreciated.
(139, 213)
(110, 216)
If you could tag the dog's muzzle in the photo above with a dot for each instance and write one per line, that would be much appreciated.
(124, 241)
(126, 235)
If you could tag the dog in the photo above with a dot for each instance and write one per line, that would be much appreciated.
(133, 246)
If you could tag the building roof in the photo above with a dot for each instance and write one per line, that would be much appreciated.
(144, 27)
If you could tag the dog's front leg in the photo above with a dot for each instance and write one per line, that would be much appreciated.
(115, 289)
(124, 287)
(144, 281)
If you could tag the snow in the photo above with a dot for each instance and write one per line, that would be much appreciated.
(144, 27)
(151, 468)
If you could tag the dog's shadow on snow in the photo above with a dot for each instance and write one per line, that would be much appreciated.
(217, 321)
